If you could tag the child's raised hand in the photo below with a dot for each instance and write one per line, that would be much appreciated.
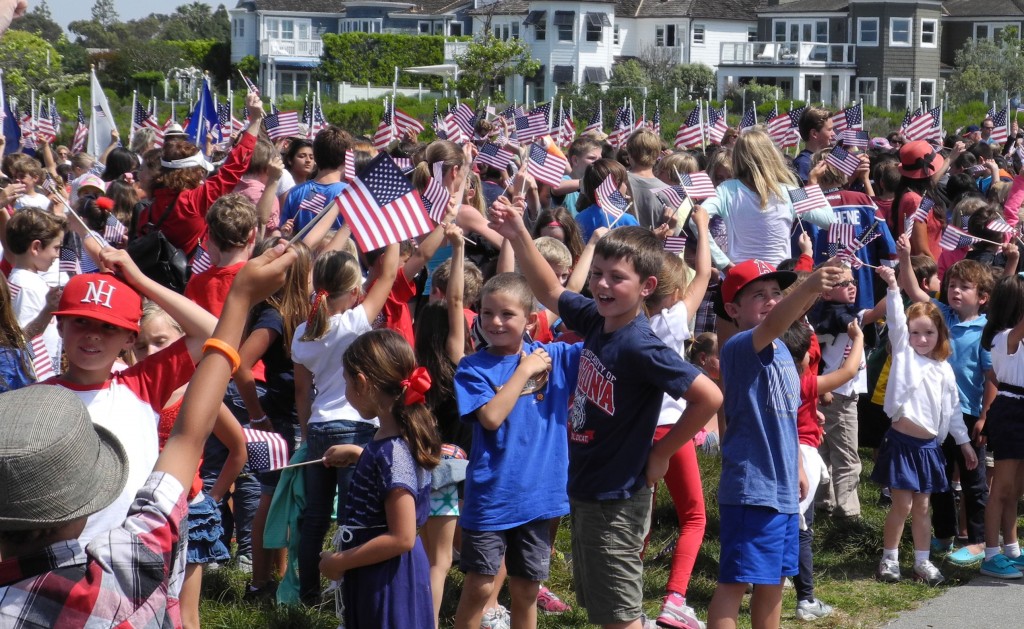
(263, 275)
(118, 261)
(1011, 251)
(454, 235)
(970, 457)
(661, 232)
(254, 105)
(701, 219)
(288, 228)
(903, 246)
(505, 218)
(854, 331)
(53, 298)
(598, 234)
(536, 363)
(825, 278)
(806, 245)
(10, 194)
(275, 168)
(343, 455)
(888, 275)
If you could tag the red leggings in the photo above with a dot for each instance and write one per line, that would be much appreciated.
(684, 486)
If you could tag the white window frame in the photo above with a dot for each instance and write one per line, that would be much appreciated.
(361, 25)
(906, 95)
(453, 25)
(873, 94)
(419, 27)
(861, 21)
(663, 29)
(921, 95)
(786, 28)
(751, 34)
(934, 33)
(910, 32)
(992, 26)
(694, 39)
(616, 36)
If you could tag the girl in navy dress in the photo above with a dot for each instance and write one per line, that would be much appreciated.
(387, 574)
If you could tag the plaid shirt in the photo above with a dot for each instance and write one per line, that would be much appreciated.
(119, 580)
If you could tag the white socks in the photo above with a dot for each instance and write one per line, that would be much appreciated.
(991, 552)
(891, 554)
(921, 556)
(1012, 551)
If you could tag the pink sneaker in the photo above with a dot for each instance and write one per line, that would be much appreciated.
(549, 603)
(676, 614)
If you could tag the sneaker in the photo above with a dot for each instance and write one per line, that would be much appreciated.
(1000, 568)
(495, 618)
(549, 603)
(812, 610)
(941, 547)
(264, 594)
(1017, 562)
(885, 498)
(927, 572)
(964, 557)
(243, 563)
(675, 613)
(888, 571)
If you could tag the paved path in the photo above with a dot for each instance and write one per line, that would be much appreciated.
(983, 602)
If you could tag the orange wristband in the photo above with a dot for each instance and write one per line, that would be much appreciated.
(226, 350)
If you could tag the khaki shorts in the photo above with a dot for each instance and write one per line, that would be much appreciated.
(607, 538)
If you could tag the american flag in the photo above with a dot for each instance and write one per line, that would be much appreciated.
(609, 199)
(841, 234)
(778, 127)
(435, 195)
(140, 117)
(55, 116)
(596, 122)
(568, 131)
(228, 123)
(908, 117)
(656, 121)
(849, 118)
(42, 364)
(544, 110)
(849, 253)
(249, 85)
(81, 133)
(672, 196)
(717, 125)
(853, 138)
(999, 226)
(808, 199)
(267, 450)
(697, 185)
(749, 118)
(385, 130)
(404, 163)
(547, 164)
(920, 215)
(925, 126)
(313, 204)
(114, 230)
(404, 122)
(954, 238)
(282, 124)
(465, 117)
(381, 206)
(843, 160)
(201, 261)
(494, 156)
(1001, 127)
(675, 244)
(68, 261)
(350, 165)
(510, 112)
(440, 128)
(453, 130)
(531, 126)
(45, 131)
(622, 126)
(691, 132)
(307, 112)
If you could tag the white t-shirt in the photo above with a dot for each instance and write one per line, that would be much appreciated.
(322, 358)
(759, 234)
(34, 200)
(673, 327)
(286, 183)
(1009, 368)
(28, 295)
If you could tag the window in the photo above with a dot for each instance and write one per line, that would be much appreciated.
(751, 33)
(927, 92)
(697, 35)
(595, 26)
(867, 90)
(565, 21)
(929, 33)
(616, 35)
(455, 29)
(666, 36)
(533, 17)
(424, 28)
(362, 26)
(899, 31)
(867, 31)
(562, 75)
(992, 30)
(898, 94)
(540, 30)
(801, 31)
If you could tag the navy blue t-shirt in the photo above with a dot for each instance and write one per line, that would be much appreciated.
(622, 378)
(279, 400)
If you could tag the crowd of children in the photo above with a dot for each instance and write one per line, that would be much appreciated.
(536, 354)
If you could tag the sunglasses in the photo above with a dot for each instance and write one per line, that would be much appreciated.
(843, 284)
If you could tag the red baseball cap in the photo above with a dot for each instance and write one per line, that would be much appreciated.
(744, 273)
(102, 297)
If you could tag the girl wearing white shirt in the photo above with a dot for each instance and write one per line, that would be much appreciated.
(922, 401)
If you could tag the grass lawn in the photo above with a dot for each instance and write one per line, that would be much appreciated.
(845, 560)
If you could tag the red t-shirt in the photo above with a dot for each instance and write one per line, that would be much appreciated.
(396, 315)
(210, 288)
(163, 430)
(807, 428)
(908, 204)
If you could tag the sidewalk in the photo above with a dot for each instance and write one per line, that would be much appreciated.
(983, 602)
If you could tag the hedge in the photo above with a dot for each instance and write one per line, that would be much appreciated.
(363, 57)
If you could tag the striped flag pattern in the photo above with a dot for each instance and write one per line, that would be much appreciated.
(350, 164)
(42, 363)
(436, 196)
(267, 450)
(717, 125)
(697, 185)
(201, 261)
(547, 164)
(690, 133)
(849, 118)
(749, 118)
(405, 123)
(843, 161)
(999, 226)
(494, 156)
(81, 133)
(954, 238)
(1001, 126)
(808, 199)
(313, 204)
(385, 130)
(609, 199)
(282, 124)
(920, 214)
(675, 244)
(596, 122)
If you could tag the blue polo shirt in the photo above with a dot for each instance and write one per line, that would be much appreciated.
(969, 360)
(593, 217)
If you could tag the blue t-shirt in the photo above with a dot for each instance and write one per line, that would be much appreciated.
(518, 472)
(13, 372)
(802, 165)
(760, 448)
(622, 379)
(594, 217)
(307, 191)
(970, 361)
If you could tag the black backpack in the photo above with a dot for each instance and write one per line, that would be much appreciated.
(155, 255)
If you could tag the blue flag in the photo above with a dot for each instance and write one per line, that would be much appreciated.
(203, 119)
(12, 132)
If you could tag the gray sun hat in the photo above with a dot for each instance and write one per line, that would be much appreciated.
(55, 465)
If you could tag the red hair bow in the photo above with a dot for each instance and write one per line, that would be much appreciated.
(416, 386)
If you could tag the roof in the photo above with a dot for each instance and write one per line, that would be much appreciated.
(805, 6)
(503, 7)
(708, 9)
(437, 7)
(978, 8)
(298, 6)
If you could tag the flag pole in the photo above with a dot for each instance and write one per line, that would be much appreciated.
(131, 127)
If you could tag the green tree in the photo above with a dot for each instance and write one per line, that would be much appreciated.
(39, 22)
(25, 65)
(988, 66)
(249, 66)
(488, 61)
(104, 12)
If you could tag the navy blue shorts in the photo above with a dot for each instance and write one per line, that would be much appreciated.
(526, 549)
(759, 545)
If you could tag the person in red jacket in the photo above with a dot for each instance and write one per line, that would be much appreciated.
(183, 192)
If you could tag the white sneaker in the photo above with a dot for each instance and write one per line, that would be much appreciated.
(496, 618)
(888, 571)
(812, 610)
(927, 572)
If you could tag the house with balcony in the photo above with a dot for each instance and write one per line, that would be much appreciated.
(577, 43)
(286, 35)
(838, 51)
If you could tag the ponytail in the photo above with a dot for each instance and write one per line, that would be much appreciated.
(421, 175)
(334, 274)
